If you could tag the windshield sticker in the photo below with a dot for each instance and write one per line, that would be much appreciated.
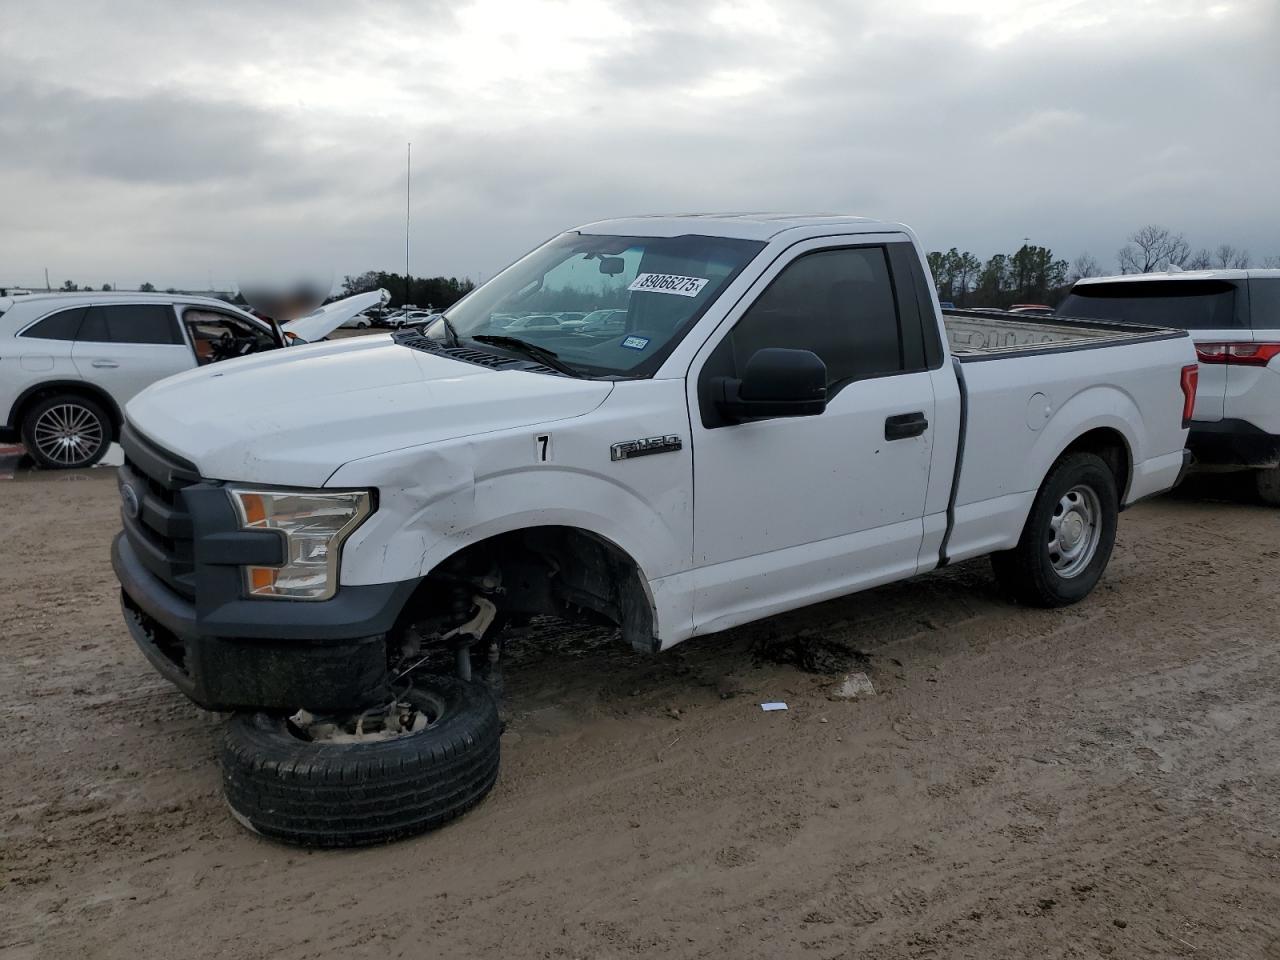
(635, 343)
(668, 283)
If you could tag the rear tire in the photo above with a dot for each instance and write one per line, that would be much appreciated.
(1268, 485)
(1068, 536)
(66, 432)
(285, 787)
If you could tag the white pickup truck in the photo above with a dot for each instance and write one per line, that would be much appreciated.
(785, 416)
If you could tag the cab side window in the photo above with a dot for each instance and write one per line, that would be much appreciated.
(842, 305)
(838, 303)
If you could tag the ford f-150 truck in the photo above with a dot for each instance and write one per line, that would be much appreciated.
(783, 416)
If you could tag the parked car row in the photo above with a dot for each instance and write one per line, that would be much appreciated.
(763, 413)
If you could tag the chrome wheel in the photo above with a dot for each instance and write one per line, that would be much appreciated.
(1075, 530)
(68, 435)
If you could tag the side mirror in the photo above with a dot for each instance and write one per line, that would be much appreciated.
(776, 383)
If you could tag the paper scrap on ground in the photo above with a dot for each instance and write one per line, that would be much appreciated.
(853, 686)
(777, 705)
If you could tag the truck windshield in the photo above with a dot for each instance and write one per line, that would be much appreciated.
(606, 306)
(1185, 304)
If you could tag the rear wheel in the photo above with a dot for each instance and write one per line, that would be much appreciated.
(1068, 537)
(1268, 485)
(376, 777)
(66, 432)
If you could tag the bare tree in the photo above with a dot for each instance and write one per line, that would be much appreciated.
(1271, 263)
(1202, 259)
(1153, 248)
(1229, 257)
(1085, 265)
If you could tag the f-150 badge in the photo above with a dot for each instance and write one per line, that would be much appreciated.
(643, 448)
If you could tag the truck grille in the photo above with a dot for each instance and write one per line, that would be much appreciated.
(160, 533)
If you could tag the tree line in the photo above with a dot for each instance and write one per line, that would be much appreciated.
(438, 292)
(1032, 274)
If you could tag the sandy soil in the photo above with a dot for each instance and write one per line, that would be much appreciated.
(1097, 781)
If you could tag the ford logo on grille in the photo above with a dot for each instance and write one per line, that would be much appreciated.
(130, 498)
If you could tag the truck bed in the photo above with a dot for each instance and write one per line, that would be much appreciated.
(987, 334)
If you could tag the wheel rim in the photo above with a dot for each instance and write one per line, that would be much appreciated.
(371, 725)
(1075, 530)
(68, 434)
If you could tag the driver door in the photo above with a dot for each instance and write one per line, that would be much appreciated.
(791, 510)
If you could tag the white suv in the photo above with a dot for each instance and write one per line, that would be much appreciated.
(1234, 318)
(69, 362)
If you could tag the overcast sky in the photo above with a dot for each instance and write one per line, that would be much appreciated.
(181, 142)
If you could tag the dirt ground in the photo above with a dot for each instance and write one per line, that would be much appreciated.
(1096, 781)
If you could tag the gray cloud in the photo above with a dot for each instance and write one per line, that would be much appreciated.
(170, 143)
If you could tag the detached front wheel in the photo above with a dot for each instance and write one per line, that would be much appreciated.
(1068, 537)
(371, 778)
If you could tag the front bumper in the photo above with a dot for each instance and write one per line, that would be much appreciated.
(262, 654)
(1232, 443)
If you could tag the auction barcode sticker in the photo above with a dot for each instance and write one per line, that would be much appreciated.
(668, 283)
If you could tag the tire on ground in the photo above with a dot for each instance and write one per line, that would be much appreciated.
(1026, 572)
(340, 795)
(80, 406)
(1268, 485)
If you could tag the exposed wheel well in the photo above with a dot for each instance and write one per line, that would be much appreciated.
(34, 395)
(560, 571)
(1112, 447)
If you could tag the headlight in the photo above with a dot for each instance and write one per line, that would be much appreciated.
(315, 524)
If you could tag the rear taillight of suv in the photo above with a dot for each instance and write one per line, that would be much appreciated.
(1189, 380)
(1238, 354)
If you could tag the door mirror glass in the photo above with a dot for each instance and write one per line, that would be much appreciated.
(776, 382)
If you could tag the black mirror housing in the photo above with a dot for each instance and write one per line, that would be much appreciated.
(612, 266)
(776, 382)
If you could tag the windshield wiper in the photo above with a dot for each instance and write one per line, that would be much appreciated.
(544, 356)
(456, 341)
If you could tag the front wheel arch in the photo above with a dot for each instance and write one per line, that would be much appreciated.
(553, 570)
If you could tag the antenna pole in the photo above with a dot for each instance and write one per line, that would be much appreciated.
(408, 175)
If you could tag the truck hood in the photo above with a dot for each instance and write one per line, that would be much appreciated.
(292, 417)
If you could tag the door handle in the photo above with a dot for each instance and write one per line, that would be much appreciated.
(905, 425)
(105, 364)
